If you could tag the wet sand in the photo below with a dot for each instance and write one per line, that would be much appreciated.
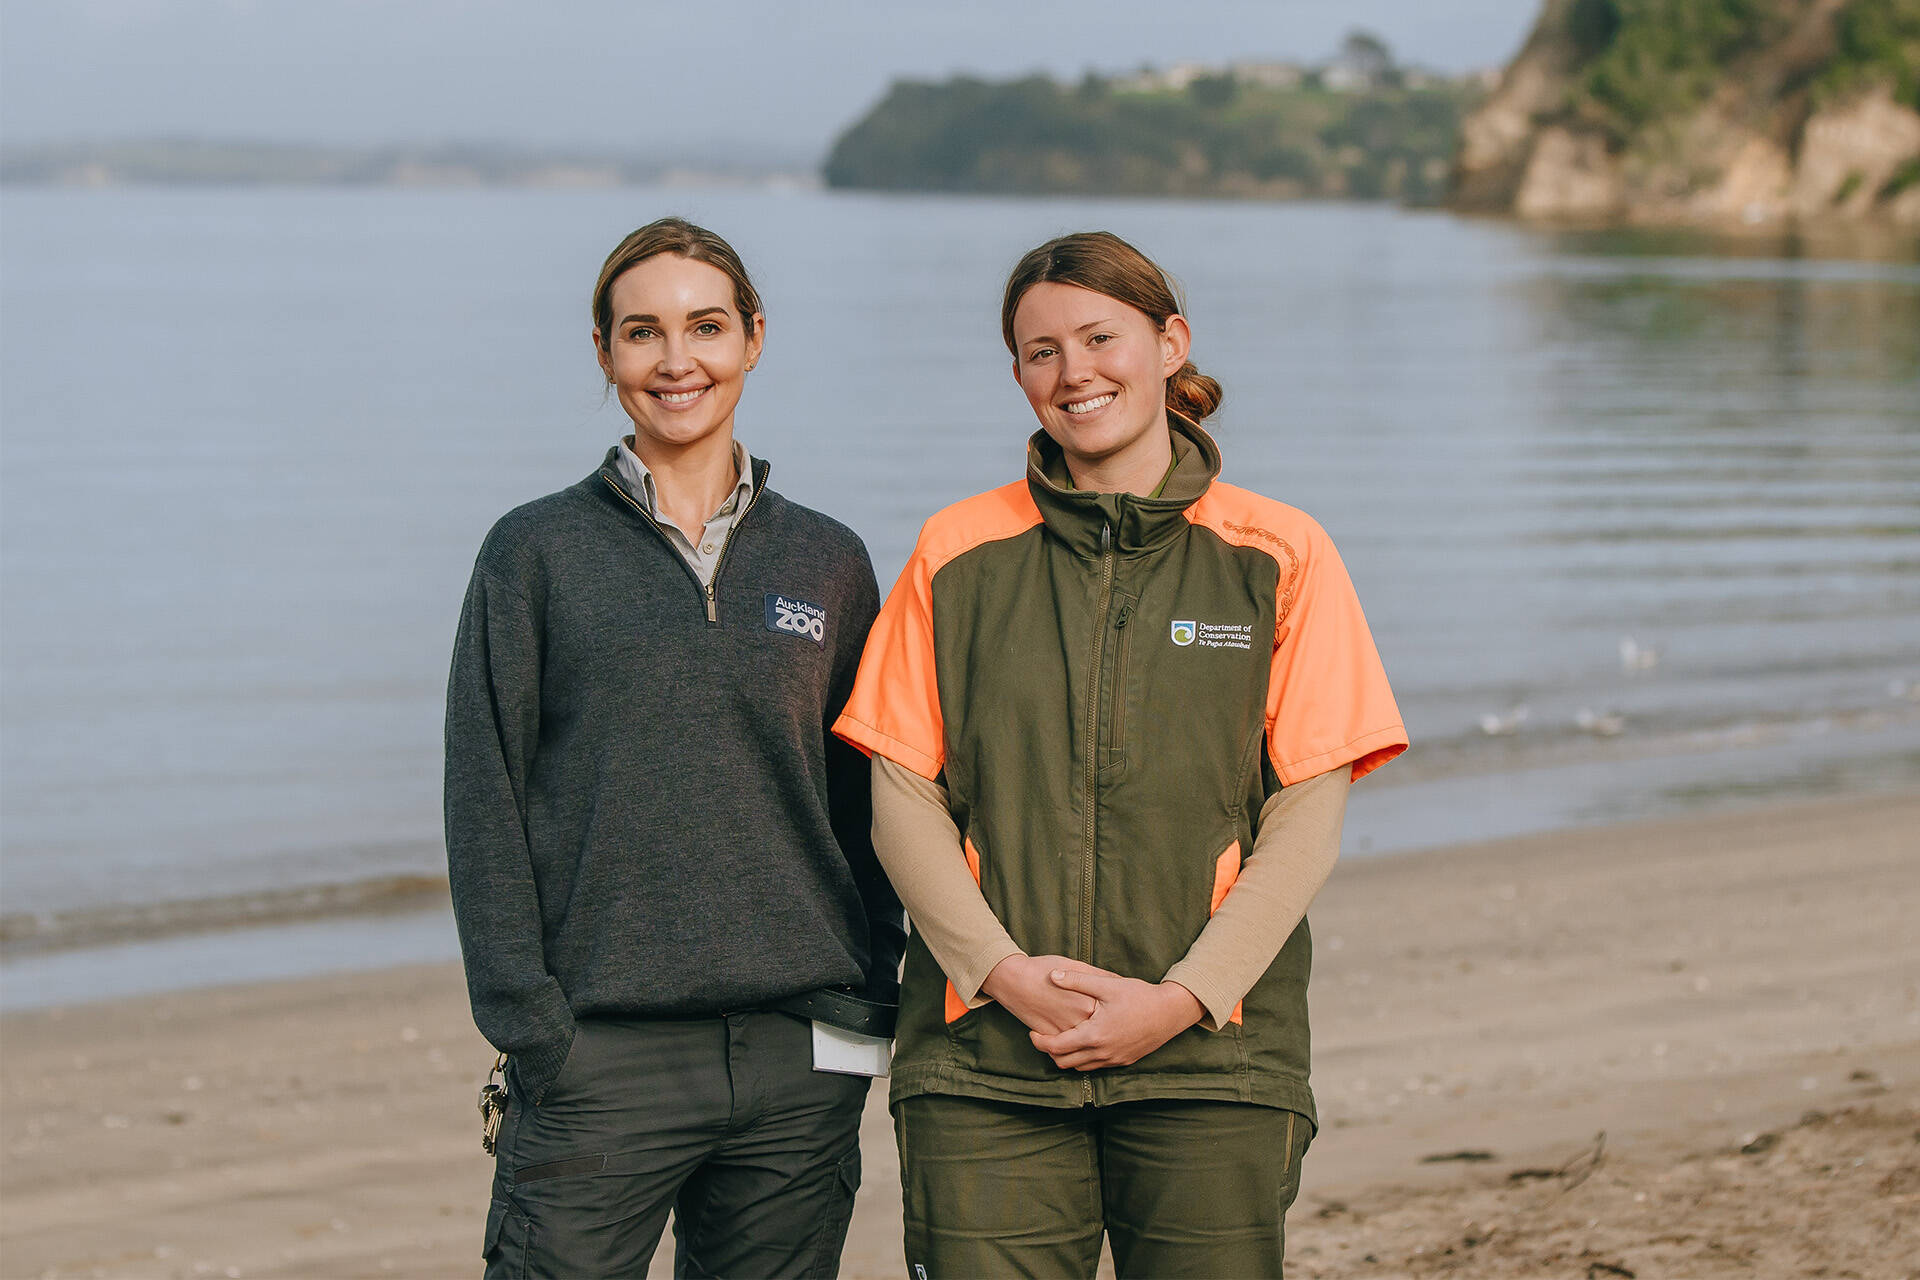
(1733, 1000)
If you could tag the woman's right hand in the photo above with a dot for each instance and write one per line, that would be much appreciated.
(1024, 984)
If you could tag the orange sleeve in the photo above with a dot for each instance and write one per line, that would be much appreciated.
(894, 710)
(1328, 702)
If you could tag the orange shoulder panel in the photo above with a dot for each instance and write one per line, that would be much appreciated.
(894, 709)
(1328, 701)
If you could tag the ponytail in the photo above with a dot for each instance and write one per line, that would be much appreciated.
(1192, 394)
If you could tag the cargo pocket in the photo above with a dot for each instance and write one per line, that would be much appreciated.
(1299, 1134)
(505, 1249)
(835, 1213)
(559, 1169)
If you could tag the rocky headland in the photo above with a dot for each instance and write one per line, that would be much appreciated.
(1758, 113)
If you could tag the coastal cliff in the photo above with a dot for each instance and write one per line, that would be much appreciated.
(1751, 112)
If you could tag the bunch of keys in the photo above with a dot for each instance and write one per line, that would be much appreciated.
(493, 1105)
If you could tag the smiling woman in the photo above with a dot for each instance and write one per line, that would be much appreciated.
(1113, 709)
(689, 329)
(657, 851)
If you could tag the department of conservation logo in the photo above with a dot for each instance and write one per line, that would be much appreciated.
(1213, 635)
(796, 617)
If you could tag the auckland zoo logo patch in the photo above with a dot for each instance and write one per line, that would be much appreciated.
(1213, 635)
(796, 617)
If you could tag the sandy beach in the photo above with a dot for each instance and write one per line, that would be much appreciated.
(1733, 1001)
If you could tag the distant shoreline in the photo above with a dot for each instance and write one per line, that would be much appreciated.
(163, 162)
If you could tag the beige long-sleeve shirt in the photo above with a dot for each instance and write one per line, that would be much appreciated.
(1296, 842)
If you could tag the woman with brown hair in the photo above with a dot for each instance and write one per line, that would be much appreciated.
(659, 856)
(1113, 709)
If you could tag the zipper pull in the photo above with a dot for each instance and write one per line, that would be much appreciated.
(1106, 537)
(1120, 618)
(713, 606)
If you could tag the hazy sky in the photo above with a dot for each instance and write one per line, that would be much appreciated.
(778, 77)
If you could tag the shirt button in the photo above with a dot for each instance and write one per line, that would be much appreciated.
(707, 547)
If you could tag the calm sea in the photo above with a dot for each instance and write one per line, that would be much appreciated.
(1636, 520)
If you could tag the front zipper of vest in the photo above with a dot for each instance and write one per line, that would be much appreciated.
(706, 589)
(1117, 726)
(1105, 603)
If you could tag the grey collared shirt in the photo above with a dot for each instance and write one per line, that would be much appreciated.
(704, 555)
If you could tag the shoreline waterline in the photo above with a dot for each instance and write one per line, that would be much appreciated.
(399, 921)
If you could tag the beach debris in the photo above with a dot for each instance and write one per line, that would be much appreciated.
(1758, 1144)
(1499, 725)
(1533, 1175)
(1464, 1157)
(1579, 1168)
(1602, 724)
(1635, 656)
(1596, 1269)
(1332, 1209)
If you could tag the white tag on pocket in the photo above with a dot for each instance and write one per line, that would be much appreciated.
(848, 1052)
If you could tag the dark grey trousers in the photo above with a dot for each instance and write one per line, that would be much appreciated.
(722, 1119)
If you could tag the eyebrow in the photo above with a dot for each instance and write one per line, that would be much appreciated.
(691, 315)
(1091, 324)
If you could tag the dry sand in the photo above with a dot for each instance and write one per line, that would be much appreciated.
(1733, 1000)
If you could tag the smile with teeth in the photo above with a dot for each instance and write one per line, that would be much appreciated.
(679, 397)
(1088, 406)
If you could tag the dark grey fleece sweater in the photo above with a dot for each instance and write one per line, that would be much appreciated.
(646, 813)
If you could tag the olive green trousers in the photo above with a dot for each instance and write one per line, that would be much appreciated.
(1179, 1187)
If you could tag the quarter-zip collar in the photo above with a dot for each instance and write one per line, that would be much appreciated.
(612, 489)
(1134, 524)
(640, 482)
(610, 473)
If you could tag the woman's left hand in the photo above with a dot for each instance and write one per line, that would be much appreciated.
(1132, 1019)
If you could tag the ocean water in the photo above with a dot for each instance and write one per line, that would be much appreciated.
(1636, 520)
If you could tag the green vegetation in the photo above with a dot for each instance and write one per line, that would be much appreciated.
(1907, 175)
(1879, 44)
(1648, 61)
(1219, 135)
(1652, 60)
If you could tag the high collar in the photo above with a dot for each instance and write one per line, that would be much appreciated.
(641, 485)
(1077, 516)
(610, 471)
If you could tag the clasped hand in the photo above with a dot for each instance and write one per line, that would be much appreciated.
(1084, 1017)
